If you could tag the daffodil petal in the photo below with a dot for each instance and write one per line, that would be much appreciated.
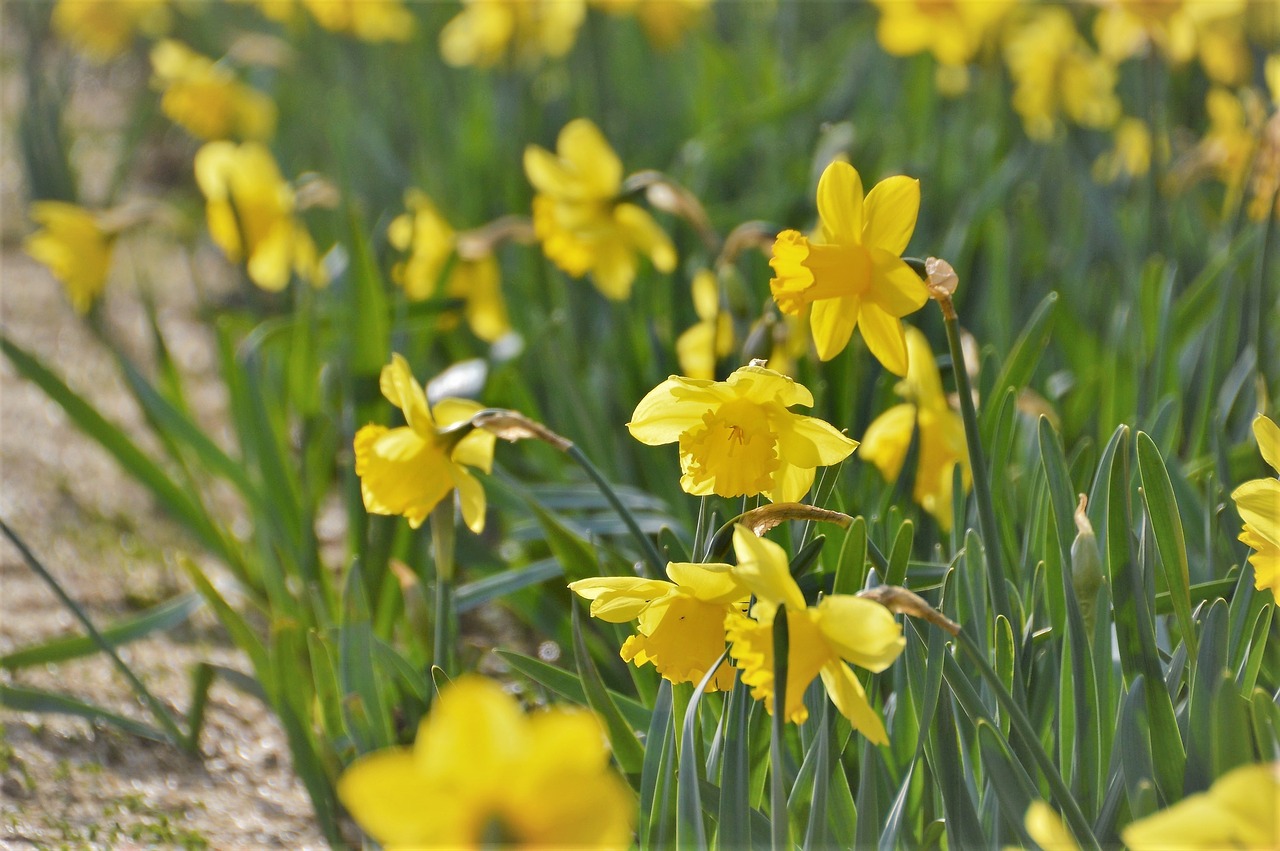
(791, 483)
(763, 569)
(614, 269)
(709, 583)
(1258, 502)
(885, 337)
(1268, 434)
(861, 631)
(546, 173)
(670, 409)
(384, 792)
(850, 698)
(761, 386)
(891, 209)
(470, 497)
(401, 389)
(840, 202)
(582, 145)
(644, 235)
(811, 442)
(898, 290)
(618, 599)
(832, 321)
(887, 440)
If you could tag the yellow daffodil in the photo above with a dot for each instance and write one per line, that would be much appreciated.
(821, 639)
(855, 277)
(1130, 155)
(699, 347)
(431, 243)
(681, 622)
(104, 29)
(941, 444)
(487, 31)
(577, 216)
(206, 98)
(367, 20)
(954, 31)
(664, 21)
(1125, 28)
(737, 437)
(483, 773)
(1057, 76)
(1258, 502)
(1240, 810)
(409, 470)
(250, 210)
(75, 247)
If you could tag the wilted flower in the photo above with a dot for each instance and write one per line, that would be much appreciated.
(250, 209)
(1258, 502)
(431, 244)
(409, 470)
(664, 21)
(855, 277)
(821, 639)
(578, 218)
(1240, 810)
(75, 247)
(954, 31)
(486, 31)
(482, 773)
(699, 347)
(367, 20)
(681, 629)
(206, 98)
(737, 437)
(941, 445)
(104, 29)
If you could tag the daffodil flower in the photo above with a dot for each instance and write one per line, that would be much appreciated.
(737, 437)
(482, 773)
(681, 622)
(104, 29)
(577, 216)
(1240, 810)
(487, 31)
(74, 246)
(206, 98)
(409, 470)
(699, 347)
(821, 639)
(367, 20)
(855, 277)
(942, 444)
(1258, 502)
(954, 32)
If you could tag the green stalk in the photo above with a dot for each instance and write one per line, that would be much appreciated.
(443, 537)
(781, 822)
(657, 564)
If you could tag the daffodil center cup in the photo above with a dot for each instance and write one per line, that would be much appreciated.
(733, 448)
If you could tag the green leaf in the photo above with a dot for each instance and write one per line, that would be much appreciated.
(851, 568)
(26, 699)
(1021, 363)
(658, 774)
(691, 830)
(626, 746)
(1166, 526)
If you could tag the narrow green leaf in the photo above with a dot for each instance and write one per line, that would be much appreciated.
(691, 831)
(626, 747)
(1166, 526)
(851, 569)
(1020, 365)
(567, 685)
(26, 699)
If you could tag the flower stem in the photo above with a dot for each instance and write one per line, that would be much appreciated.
(780, 820)
(443, 537)
(650, 550)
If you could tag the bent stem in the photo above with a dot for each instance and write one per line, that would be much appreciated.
(650, 550)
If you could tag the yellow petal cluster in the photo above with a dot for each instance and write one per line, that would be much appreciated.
(205, 97)
(1240, 810)
(104, 29)
(431, 242)
(854, 277)
(409, 470)
(700, 346)
(250, 210)
(737, 437)
(1126, 28)
(941, 445)
(1258, 502)
(681, 622)
(483, 773)
(73, 245)
(486, 32)
(821, 639)
(367, 20)
(954, 31)
(664, 21)
(577, 216)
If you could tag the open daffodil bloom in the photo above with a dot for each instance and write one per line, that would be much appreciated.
(482, 773)
(821, 639)
(75, 247)
(409, 470)
(681, 628)
(1258, 502)
(855, 277)
(737, 437)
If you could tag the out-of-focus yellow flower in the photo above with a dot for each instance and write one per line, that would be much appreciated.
(281, 11)
(681, 629)
(699, 347)
(578, 218)
(75, 247)
(1057, 76)
(431, 241)
(941, 445)
(104, 29)
(954, 31)
(1229, 145)
(821, 639)
(1046, 828)
(367, 20)
(250, 210)
(664, 21)
(409, 470)
(1258, 502)
(737, 437)
(481, 773)
(1130, 154)
(1240, 810)
(855, 277)
(1265, 188)
(1125, 28)
(487, 31)
(1223, 51)
(206, 98)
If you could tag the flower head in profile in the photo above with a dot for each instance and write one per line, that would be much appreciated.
(367, 20)
(104, 29)
(854, 277)
(481, 772)
(821, 639)
(75, 247)
(250, 209)
(486, 32)
(681, 622)
(577, 216)
(1240, 810)
(431, 242)
(205, 97)
(700, 346)
(1258, 502)
(737, 437)
(941, 445)
(409, 470)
